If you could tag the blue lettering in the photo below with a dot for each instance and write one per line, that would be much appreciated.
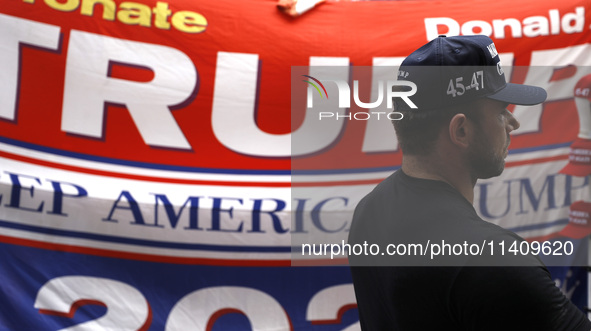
(15, 195)
(298, 217)
(215, 215)
(173, 218)
(525, 186)
(58, 196)
(256, 216)
(569, 188)
(315, 215)
(132, 205)
(482, 203)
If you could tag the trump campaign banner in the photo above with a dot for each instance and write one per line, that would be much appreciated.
(161, 170)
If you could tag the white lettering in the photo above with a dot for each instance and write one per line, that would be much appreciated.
(499, 28)
(554, 21)
(492, 50)
(476, 27)
(26, 32)
(370, 104)
(400, 94)
(532, 26)
(190, 313)
(233, 119)
(88, 87)
(573, 22)
(536, 26)
(361, 116)
(432, 27)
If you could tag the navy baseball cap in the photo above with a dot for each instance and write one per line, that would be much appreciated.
(455, 70)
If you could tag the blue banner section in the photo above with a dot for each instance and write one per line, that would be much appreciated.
(310, 298)
(296, 291)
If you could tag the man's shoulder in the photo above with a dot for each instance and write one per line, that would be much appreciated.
(384, 188)
(403, 192)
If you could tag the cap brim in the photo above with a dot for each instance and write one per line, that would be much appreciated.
(518, 94)
(575, 232)
(577, 170)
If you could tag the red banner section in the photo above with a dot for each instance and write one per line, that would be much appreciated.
(149, 82)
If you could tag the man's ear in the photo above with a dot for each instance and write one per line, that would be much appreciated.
(460, 130)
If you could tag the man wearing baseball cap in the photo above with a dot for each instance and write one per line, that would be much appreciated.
(454, 132)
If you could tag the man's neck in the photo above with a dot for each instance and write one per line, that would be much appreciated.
(451, 173)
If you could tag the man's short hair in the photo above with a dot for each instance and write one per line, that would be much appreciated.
(418, 131)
